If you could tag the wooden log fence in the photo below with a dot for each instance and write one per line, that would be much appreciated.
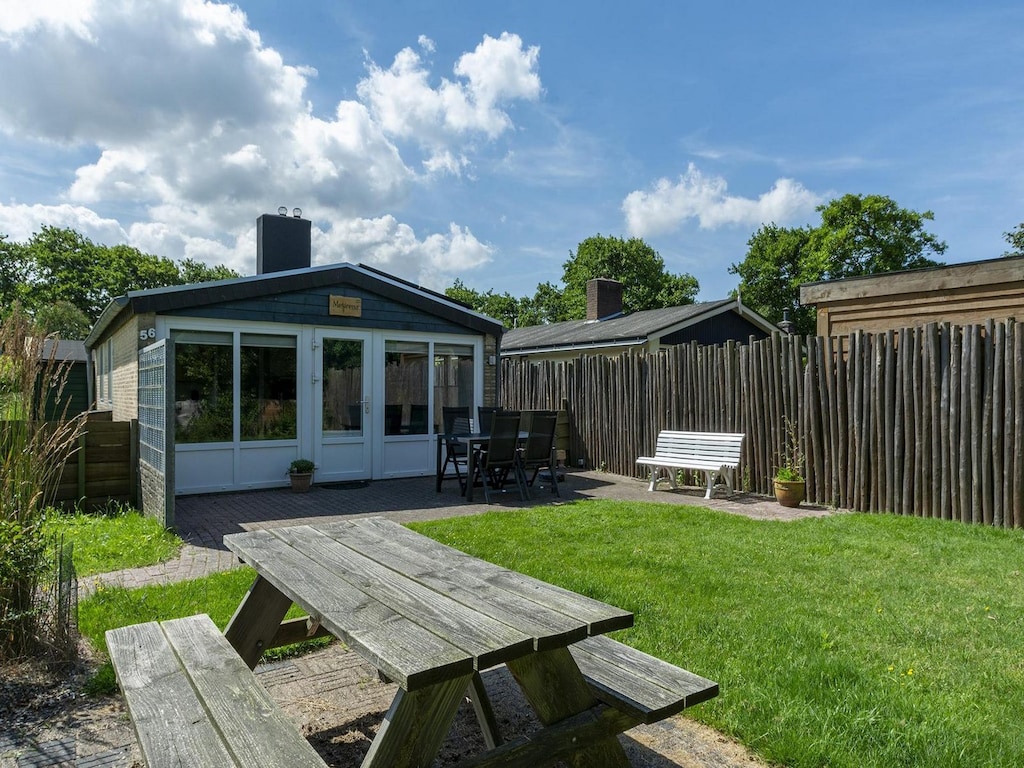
(925, 421)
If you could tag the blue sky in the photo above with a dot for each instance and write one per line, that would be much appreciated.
(484, 142)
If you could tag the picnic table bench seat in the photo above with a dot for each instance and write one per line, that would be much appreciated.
(194, 702)
(639, 685)
(713, 453)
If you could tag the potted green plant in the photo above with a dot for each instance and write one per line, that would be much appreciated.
(300, 472)
(790, 488)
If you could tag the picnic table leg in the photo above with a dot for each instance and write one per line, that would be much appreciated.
(257, 620)
(555, 687)
(416, 725)
(481, 702)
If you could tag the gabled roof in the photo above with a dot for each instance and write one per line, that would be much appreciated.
(622, 330)
(183, 297)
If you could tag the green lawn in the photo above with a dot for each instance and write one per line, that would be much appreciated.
(108, 542)
(854, 640)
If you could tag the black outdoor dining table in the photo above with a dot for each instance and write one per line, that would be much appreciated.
(472, 441)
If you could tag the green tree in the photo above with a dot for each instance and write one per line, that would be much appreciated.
(14, 272)
(1015, 237)
(545, 306)
(771, 274)
(858, 235)
(503, 307)
(634, 263)
(59, 268)
(192, 271)
(870, 234)
(62, 319)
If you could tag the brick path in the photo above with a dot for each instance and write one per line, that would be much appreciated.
(335, 680)
(203, 521)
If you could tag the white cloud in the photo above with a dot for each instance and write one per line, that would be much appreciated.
(188, 120)
(499, 71)
(392, 246)
(20, 222)
(667, 205)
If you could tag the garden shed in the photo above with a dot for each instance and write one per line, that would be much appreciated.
(71, 356)
(341, 364)
(972, 292)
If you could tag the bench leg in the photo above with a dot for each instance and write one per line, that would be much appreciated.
(711, 474)
(654, 480)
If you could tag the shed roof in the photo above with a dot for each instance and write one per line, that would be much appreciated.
(635, 328)
(68, 350)
(183, 297)
(970, 274)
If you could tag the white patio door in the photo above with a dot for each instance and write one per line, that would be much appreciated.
(343, 427)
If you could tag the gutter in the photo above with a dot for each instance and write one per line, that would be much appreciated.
(583, 346)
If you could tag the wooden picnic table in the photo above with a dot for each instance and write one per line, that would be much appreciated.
(431, 618)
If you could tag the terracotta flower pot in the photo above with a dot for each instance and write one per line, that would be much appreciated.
(789, 493)
(301, 481)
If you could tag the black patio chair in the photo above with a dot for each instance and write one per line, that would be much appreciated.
(485, 413)
(493, 464)
(538, 452)
(455, 422)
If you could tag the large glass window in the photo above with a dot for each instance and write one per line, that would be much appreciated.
(453, 377)
(268, 386)
(203, 402)
(343, 387)
(406, 375)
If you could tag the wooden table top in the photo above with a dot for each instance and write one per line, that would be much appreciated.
(420, 611)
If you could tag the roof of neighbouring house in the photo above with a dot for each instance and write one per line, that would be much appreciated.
(622, 330)
(182, 297)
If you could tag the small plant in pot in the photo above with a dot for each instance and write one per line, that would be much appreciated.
(300, 472)
(790, 488)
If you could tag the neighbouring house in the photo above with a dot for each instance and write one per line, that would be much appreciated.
(607, 331)
(973, 292)
(342, 364)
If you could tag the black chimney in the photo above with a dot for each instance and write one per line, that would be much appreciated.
(282, 242)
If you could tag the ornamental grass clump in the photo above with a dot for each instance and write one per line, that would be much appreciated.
(791, 461)
(32, 455)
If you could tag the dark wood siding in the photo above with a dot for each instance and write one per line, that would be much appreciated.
(310, 307)
(75, 394)
(727, 326)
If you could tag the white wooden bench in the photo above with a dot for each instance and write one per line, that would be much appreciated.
(713, 453)
(194, 702)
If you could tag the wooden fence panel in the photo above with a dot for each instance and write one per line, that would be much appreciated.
(923, 421)
(103, 469)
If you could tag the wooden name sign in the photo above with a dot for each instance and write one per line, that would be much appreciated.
(346, 306)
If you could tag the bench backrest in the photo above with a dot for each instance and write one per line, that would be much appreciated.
(712, 446)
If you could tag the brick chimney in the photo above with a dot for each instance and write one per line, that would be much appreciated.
(283, 242)
(604, 298)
